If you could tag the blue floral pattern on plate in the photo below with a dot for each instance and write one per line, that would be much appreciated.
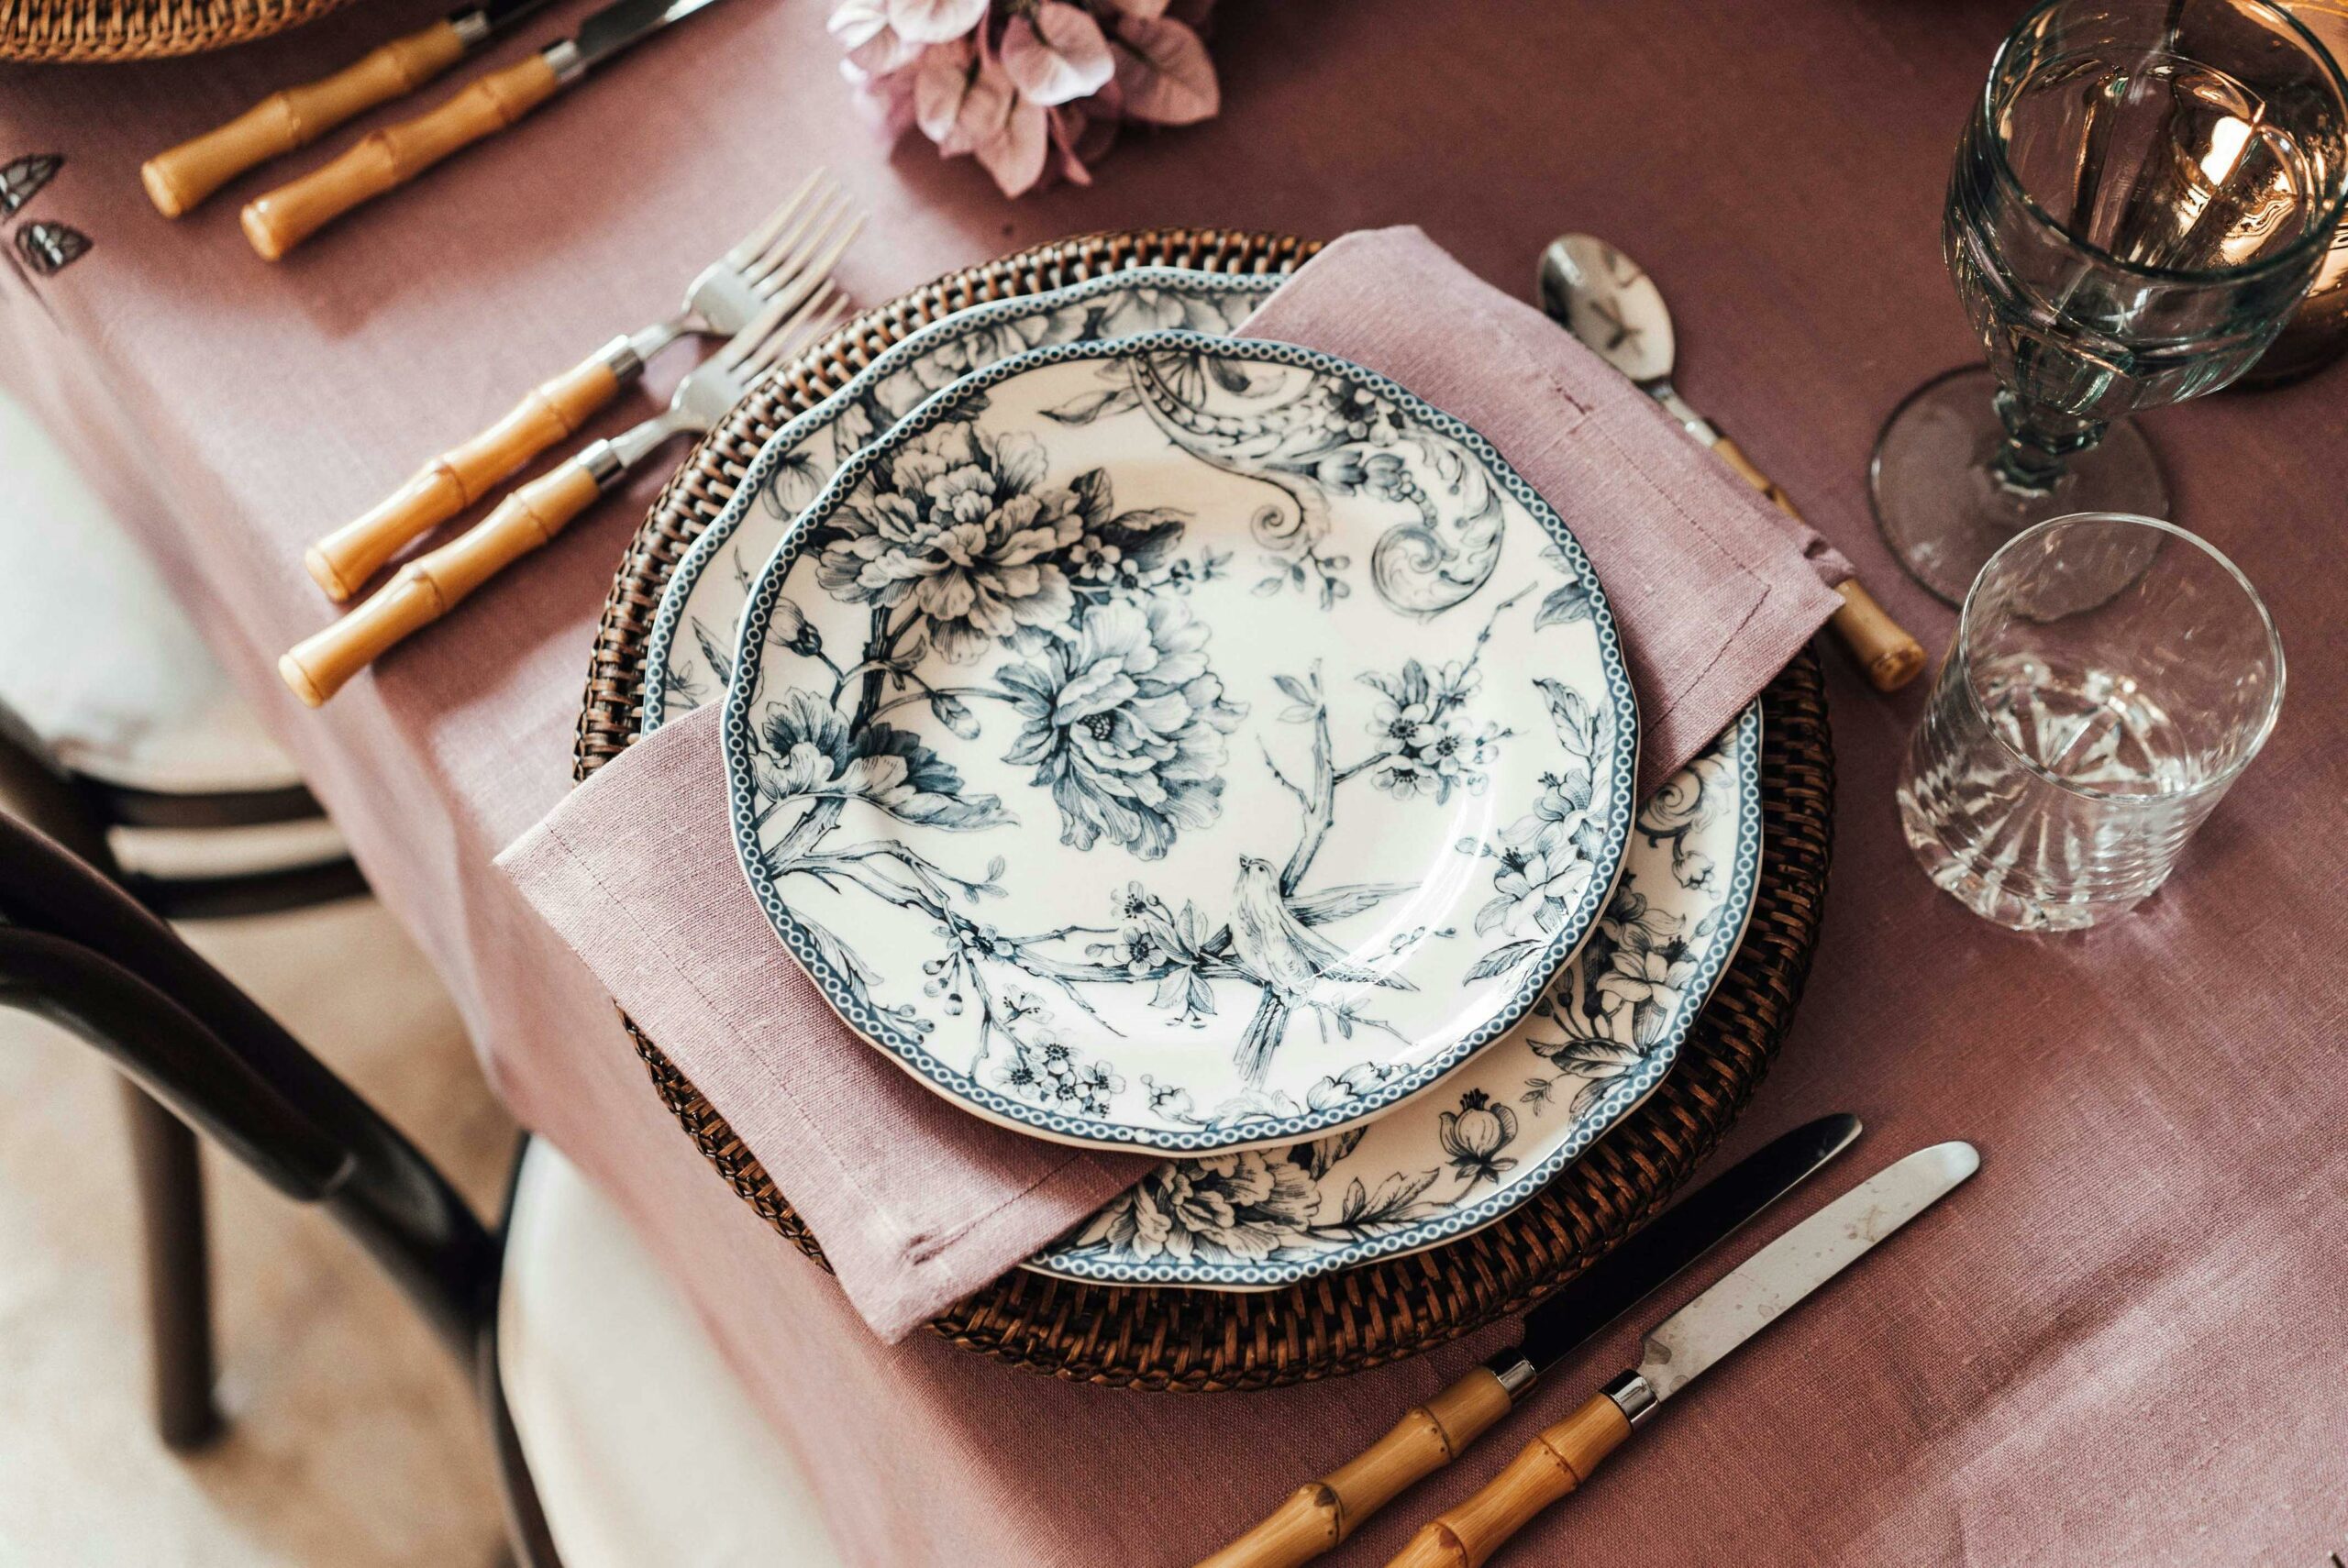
(1498, 1129)
(689, 654)
(1183, 623)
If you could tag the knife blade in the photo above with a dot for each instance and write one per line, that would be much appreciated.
(177, 180)
(1645, 1262)
(389, 158)
(1685, 1346)
(1322, 1513)
(606, 32)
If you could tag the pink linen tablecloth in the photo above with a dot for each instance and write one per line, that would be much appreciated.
(637, 869)
(2123, 1342)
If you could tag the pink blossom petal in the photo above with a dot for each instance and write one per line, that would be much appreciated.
(985, 108)
(935, 21)
(1059, 57)
(941, 83)
(875, 47)
(1163, 73)
(1014, 153)
(1140, 7)
(888, 98)
(854, 22)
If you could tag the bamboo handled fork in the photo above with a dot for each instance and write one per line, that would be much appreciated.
(784, 260)
(431, 585)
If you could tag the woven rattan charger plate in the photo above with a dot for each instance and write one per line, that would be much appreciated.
(1194, 1339)
(96, 30)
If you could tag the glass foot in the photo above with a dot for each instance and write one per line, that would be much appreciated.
(1943, 514)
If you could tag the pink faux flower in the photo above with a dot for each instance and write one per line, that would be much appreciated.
(1027, 87)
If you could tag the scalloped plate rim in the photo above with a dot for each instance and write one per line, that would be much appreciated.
(1246, 1278)
(952, 1083)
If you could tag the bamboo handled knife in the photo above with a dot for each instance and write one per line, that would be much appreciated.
(177, 180)
(1322, 1513)
(387, 158)
(1685, 1345)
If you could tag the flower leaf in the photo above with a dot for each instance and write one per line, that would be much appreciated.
(1163, 73)
(1565, 606)
(1506, 956)
(935, 21)
(1058, 56)
(720, 664)
(955, 715)
(1094, 405)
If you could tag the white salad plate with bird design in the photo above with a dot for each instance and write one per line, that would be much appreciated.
(688, 652)
(1180, 742)
(1500, 1126)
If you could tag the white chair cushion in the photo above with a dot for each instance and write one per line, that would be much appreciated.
(645, 1450)
(94, 654)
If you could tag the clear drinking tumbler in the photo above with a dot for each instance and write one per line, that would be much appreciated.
(2091, 711)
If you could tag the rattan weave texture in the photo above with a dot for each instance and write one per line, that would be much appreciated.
(1198, 1340)
(98, 30)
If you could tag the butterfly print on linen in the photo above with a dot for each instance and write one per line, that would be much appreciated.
(22, 178)
(48, 248)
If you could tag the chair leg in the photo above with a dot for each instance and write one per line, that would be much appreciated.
(178, 1267)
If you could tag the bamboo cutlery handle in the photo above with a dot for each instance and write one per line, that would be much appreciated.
(1550, 1466)
(431, 585)
(1885, 650)
(385, 159)
(549, 413)
(176, 181)
(1320, 1514)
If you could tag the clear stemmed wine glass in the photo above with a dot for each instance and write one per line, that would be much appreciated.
(2142, 194)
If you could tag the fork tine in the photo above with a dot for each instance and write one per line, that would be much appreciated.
(738, 349)
(813, 274)
(791, 240)
(788, 255)
(796, 327)
(797, 335)
(758, 239)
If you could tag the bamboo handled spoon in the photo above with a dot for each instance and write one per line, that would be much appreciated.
(1683, 1347)
(1600, 295)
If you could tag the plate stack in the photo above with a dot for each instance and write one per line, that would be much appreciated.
(1161, 740)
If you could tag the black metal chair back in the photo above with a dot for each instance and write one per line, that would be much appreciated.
(79, 950)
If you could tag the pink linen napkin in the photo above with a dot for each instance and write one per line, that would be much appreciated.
(917, 1203)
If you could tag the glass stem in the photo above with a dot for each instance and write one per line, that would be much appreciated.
(2031, 460)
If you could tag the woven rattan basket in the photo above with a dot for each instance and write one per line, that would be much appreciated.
(1196, 1339)
(96, 30)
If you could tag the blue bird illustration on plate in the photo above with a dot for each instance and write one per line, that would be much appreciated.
(1287, 958)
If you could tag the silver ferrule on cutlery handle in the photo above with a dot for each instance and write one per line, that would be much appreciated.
(627, 355)
(603, 463)
(563, 57)
(551, 412)
(1696, 425)
(1515, 1369)
(1632, 1394)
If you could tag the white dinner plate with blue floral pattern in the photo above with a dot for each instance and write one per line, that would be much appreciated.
(1180, 742)
(691, 649)
(1501, 1127)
